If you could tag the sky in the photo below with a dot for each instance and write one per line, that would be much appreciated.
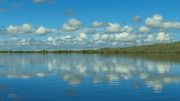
(82, 24)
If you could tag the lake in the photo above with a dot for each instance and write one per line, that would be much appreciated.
(91, 77)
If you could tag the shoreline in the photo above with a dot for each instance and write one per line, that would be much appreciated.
(94, 52)
(166, 48)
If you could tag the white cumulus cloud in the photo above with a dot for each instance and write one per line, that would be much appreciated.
(25, 28)
(163, 37)
(156, 21)
(144, 29)
(150, 38)
(72, 25)
(42, 31)
(99, 24)
(113, 28)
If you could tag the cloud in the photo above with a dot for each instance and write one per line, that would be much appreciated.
(99, 24)
(81, 37)
(95, 40)
(117, 38)
(127, 29)
(104, 37)
(125, 36)
(149, 38)
(98, 35)
(41, 1)
(156, 21)
(72, 25)
(113, 28)
(50, 38)
(42, 31)
(25, 28)
(13, 39)
(69, 13)
(16, 41)
(144, 29)
(163, 37)
(87, 30)
(136, 18)
(66, 39)
(2, 31)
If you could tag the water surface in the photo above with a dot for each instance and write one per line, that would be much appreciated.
(78, 77)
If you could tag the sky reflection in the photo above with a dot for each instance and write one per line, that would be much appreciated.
(74, 69)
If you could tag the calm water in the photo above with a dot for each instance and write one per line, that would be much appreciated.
(73, 77)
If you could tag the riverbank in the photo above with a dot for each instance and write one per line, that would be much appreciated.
(144, 49)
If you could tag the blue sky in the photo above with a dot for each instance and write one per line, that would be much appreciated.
(52, 14)
(45, 19)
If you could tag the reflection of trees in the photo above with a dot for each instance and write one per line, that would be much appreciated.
(101, 69)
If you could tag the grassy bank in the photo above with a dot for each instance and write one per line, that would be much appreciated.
(155, 48)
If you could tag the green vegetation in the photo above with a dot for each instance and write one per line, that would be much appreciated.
(155, 48)
(144, 49)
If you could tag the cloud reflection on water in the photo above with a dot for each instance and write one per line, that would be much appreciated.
(101, 69)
